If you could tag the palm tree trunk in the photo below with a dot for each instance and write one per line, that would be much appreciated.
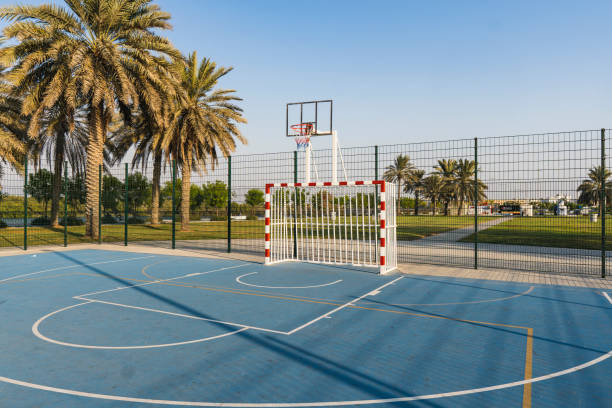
(416, 204)
(157, 162)
(57, 180)
(460, 207)
(435, 206)
(186, 187)
(94, 160)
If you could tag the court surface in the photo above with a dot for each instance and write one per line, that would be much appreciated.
(114, 329)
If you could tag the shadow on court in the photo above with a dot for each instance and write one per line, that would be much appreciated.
(335, 370)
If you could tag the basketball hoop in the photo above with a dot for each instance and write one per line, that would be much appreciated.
(303, 130)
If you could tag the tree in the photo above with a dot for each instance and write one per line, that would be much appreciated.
(254, 198)
(76, 193)
(415, 184)
(399, 172)
(96, 48)
(139, 191)
(12, 129)
(590, 189)
(215, 195)
(464, 183)
(205, 122)
(434, 188)
(40, 187)
(447, 169)
(112, 194)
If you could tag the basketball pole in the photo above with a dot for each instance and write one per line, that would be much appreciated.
(334, 136)
(307, 162)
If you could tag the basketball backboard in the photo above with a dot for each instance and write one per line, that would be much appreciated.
(314, 115)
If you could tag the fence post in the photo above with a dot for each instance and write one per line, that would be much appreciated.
(602, 203)
(295, 180)
(173, 205)
(100, 204)
(125, 208)
(376, 162)
(475, 203)
(65, 203)
(25, 204)
(229, 204)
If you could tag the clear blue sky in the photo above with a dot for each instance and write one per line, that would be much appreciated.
(406, 71)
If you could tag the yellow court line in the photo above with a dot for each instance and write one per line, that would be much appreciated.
(528, 369)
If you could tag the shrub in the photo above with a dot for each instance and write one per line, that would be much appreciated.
(252, 218)
(218, 217)
(3, 224)
(108, 219)
(72, 221)
(41, 221)
(136, 220)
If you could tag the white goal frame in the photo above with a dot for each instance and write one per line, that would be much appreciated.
(346, 222)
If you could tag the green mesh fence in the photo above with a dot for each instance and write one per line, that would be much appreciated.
(530, 202)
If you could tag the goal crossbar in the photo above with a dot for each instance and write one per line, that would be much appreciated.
(346, 222)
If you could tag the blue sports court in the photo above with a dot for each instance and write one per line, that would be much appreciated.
(117, 329)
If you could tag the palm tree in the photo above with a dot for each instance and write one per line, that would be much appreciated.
(205, 121)
(144, 134)
(447, 169)
(94, 50)
(399, 172)
(434, 186)
(590, 189)
(464, 183)
(12, 130)
(416, 185)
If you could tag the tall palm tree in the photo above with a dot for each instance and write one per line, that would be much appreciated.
(399, 172)
(12, 130)
(415, 184)
(464, 184)
(590, 189)
(205, 121)
(94, 48)
(144, 135)
(447, 169)
(62, 136)
(434, 189)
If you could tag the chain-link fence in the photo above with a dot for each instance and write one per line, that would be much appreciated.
(533, 202)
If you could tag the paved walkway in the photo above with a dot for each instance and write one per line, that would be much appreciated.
(460, 233)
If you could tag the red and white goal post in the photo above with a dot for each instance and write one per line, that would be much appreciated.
(348, 222)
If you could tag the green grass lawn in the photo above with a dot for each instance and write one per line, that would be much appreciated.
(553, 231)
(409, 228)
(417, 227)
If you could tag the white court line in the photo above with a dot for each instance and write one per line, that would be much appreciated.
(343, 306)
(607, 297)
(80, 297)
(41, 336)
(307, 404)
(283, 287)
(74, 266)
(182, 315)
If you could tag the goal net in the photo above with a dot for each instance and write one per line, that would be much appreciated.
(350, 223)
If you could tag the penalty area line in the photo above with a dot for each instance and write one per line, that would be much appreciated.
(607, 297)
(351, 303)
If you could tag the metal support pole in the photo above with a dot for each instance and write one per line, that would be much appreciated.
(229, 204)
(25, 205)
(475, 203)
(295, 180)
(173, 204)
(602, 203)
(125, 208)
(334, 156)
(65, 203)
(100, 204)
